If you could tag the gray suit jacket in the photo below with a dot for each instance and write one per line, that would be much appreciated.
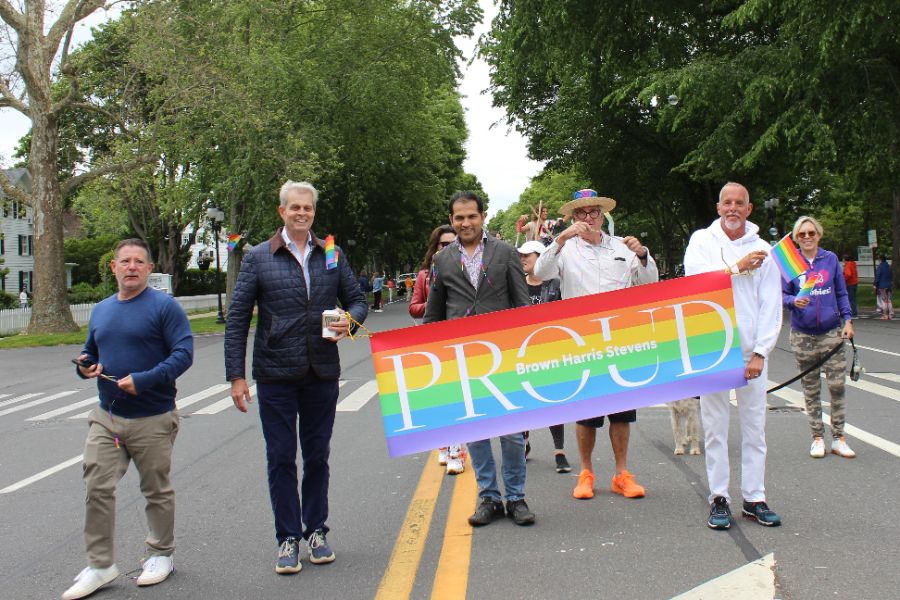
(501, 286)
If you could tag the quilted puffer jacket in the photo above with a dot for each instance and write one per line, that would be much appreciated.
(288, 338)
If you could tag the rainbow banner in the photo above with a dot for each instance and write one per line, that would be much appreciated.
(515, 370)
(789, 260)
(808, 285)
(331, 259)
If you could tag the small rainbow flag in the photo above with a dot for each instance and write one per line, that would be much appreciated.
(789, 260)
(807, 286)
(331, 257)
(233, 239)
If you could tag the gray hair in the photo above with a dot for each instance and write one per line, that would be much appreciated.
(300, 186)
(734, 184)
(806, 219)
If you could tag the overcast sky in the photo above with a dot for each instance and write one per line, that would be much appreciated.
(496, 155)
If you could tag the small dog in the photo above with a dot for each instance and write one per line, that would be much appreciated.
(686, 424)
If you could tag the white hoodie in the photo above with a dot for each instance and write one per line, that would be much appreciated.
(757, 297)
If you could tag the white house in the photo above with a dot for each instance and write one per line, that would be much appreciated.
(204, 248)
(17, 239)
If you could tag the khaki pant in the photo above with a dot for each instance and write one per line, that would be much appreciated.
(148, 441)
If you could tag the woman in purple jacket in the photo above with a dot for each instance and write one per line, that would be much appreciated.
(816, 329)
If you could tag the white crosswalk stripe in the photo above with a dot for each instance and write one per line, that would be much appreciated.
(37, 402)
(220, 405)
(45, 473)
(358, 397)
(194, 398)
(886, 376)
(873, 388)
(63, 410)
(4, 395)
(20, 398)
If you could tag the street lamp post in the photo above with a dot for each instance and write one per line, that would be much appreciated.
(216, 218)
(772, 204)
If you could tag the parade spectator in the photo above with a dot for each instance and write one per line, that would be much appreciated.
(138, 343)
(408, 286)
(537, 228)
(363, 283)
(756, 287)
(588, 261)
(461, 292)
(295, 366)
(377, 287)
(816, 329)
(23, 299)
(540, 291)
(851, 278)
(452, 457)
(884, 283)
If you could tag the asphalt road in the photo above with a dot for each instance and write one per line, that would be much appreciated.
(839, 538)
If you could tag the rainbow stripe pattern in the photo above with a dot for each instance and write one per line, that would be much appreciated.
(807, 286)
(789, 260)
(531, 367)
(233, 240)
(331, 257)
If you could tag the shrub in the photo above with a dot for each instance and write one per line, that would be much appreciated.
(85, 293)
(195, 282)
(8, 300)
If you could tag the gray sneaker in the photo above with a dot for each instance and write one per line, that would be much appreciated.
(319, 551)
(289, 557)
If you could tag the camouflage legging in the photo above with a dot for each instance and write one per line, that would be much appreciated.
(809, 349)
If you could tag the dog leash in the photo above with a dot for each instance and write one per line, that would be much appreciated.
(818, 364)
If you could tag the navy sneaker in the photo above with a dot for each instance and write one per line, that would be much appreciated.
(719, 514)
(319, 550)
(488, 511)
(518, 511)
(289, 557)
(761, 513)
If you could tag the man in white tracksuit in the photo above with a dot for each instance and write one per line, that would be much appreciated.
(732, 243)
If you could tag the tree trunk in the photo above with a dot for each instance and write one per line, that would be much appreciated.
(50, 312)
(895, 237)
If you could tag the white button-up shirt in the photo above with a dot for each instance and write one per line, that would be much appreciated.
(303, 258)
(584, 268)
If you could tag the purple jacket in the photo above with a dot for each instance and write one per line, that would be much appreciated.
(828, 302)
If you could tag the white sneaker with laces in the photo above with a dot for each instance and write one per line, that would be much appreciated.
(156, 570)
(89, 581)
(840, 447)
(443, 454)
(455, 462)
(817, 450)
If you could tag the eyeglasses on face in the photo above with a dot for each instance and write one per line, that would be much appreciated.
(584, 214)
(807, 234)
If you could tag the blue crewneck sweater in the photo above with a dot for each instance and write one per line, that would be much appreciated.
(147, 337)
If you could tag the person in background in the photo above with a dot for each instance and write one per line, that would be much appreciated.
(23, 299)
(139, 342)
(884, 281)
(816, 329)
(363, 283)
(540, 292)
(851, 278)
(377, 287)
(408, 286)
(452, 457)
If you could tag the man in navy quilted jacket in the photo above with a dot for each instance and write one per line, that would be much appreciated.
(292, 281)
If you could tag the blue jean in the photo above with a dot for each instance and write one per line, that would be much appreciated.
(311, 403)
(851, 296)
(512, 451)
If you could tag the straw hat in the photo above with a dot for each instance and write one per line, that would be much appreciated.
(585, 198)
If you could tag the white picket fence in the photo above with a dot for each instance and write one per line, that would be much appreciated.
(14, 320)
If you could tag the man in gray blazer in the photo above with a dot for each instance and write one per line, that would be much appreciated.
(491, 278)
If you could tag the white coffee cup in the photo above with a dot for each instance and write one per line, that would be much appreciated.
(329, 317)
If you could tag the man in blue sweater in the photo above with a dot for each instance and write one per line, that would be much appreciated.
(139, 342)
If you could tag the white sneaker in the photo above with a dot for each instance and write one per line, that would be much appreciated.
(455, 461)
(443, 454)
(89, 581)
(817, 450)
(156, 570)
(840, 447)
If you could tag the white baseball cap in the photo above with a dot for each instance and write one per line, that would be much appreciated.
(532, 247)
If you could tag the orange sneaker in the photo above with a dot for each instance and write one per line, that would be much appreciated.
(585, 487)
(624, 484)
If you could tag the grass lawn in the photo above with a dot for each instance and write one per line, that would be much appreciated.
(200, 325)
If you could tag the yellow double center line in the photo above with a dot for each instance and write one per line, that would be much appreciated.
(452, 571)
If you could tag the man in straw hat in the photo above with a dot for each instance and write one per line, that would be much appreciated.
(588, 261)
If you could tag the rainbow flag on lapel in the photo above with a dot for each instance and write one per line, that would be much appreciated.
(331, 257)
(789, 260)
(233, 240)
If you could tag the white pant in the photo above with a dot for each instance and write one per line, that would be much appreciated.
(715, 411)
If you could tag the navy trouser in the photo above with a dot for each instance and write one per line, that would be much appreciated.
(311, 402)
